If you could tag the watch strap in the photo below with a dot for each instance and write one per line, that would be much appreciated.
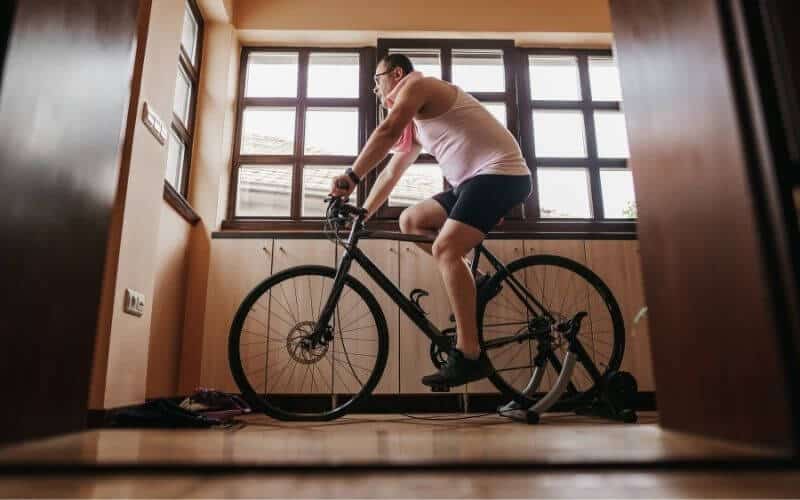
(349, 172)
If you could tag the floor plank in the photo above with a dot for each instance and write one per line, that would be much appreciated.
(701, 484)
(384, 441)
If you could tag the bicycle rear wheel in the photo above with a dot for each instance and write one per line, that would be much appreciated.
(277, 365)
(564, 288)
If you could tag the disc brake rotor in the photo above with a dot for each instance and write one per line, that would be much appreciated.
(300, 346)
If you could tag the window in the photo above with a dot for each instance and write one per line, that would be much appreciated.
(305, 113)
(179, 154)
(302, 122)
(573, 135)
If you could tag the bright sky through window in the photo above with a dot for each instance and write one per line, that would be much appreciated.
(331, 131)
(268, 131)
(559, 134)
(564, 193)
(479, 70)
(333, 75)
(554, 78)
(271, 74)
(619, 201)
(604, 79)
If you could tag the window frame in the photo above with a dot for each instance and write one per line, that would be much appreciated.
(524, 219)
(592, 163)
(178, 196)
(298, 159)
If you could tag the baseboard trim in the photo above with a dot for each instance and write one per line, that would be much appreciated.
(394, 403)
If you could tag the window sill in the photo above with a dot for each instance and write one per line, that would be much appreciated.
(179, 203)
(310, 229)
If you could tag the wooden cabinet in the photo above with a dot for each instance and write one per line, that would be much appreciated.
(619, 266)
(384, 254)
(499, 311)
(419, 270)
(236, 266)
(291, 309)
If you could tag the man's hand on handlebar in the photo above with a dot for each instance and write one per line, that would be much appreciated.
(342, 186)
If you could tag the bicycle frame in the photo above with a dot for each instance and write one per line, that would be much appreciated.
(353, 253)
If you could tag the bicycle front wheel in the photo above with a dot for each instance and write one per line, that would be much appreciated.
(282, 370)
(564, 288)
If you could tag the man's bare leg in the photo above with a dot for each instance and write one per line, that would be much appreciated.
(425, 218)
(454, 241)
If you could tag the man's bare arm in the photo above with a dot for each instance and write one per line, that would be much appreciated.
(409, 101)
(389, 177)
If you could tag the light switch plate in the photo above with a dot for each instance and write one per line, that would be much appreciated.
(134, 302)
(154, 124)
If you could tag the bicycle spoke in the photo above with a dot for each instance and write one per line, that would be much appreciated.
(311, 297)
(373, 325)
(287, 308)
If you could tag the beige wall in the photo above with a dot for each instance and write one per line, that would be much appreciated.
(120, 370)
(425, 15)
(168, 305)
(216, 115)
(159, 254)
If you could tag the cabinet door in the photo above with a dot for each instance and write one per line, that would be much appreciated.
(497, 315)
(419, 270)
(560, 291)
(292, 308)
(236, 267)
(618, 264)
(384, 254)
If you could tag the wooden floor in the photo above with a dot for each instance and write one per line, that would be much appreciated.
(391, 456)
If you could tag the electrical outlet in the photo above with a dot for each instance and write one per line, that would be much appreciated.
(134, 302)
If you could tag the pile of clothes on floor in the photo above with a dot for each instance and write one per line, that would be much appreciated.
(205, 408)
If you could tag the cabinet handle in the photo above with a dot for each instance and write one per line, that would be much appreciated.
(266, 251)
(392, 250)
(282, 249)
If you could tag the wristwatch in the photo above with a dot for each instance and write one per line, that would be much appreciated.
(349, 172)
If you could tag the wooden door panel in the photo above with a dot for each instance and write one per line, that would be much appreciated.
(384, 254)
(619, 266)
(419, 270)
(500, 311)
(293, 307)
(237, 266)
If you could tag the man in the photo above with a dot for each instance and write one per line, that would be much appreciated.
(478, 157)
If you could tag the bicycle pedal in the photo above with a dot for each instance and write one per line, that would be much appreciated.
(440, 388)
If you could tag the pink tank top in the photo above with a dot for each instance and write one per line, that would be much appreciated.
(467, 140)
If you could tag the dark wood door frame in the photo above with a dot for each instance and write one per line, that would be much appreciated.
(718, 237)
(60, 147)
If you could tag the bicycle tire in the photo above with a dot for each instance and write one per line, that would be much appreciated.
(270, 405)
(610, 304)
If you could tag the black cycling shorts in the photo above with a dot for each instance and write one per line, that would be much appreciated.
(485, 199)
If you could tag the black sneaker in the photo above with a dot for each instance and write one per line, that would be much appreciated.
(459, 370)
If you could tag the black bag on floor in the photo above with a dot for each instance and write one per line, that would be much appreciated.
(161, 413)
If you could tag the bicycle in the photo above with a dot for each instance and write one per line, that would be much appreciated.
(339, 339)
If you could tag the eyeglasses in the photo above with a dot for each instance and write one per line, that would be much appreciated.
(377, 76)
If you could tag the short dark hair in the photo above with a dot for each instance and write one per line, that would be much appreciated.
(398, 61)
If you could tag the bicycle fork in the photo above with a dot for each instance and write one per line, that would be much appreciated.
(323, 328)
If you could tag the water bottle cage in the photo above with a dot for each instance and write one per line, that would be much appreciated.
(415, 295)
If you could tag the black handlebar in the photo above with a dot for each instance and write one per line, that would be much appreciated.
(338, 207)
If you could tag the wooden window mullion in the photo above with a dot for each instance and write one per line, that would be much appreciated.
(300, 126)
(591, 138)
